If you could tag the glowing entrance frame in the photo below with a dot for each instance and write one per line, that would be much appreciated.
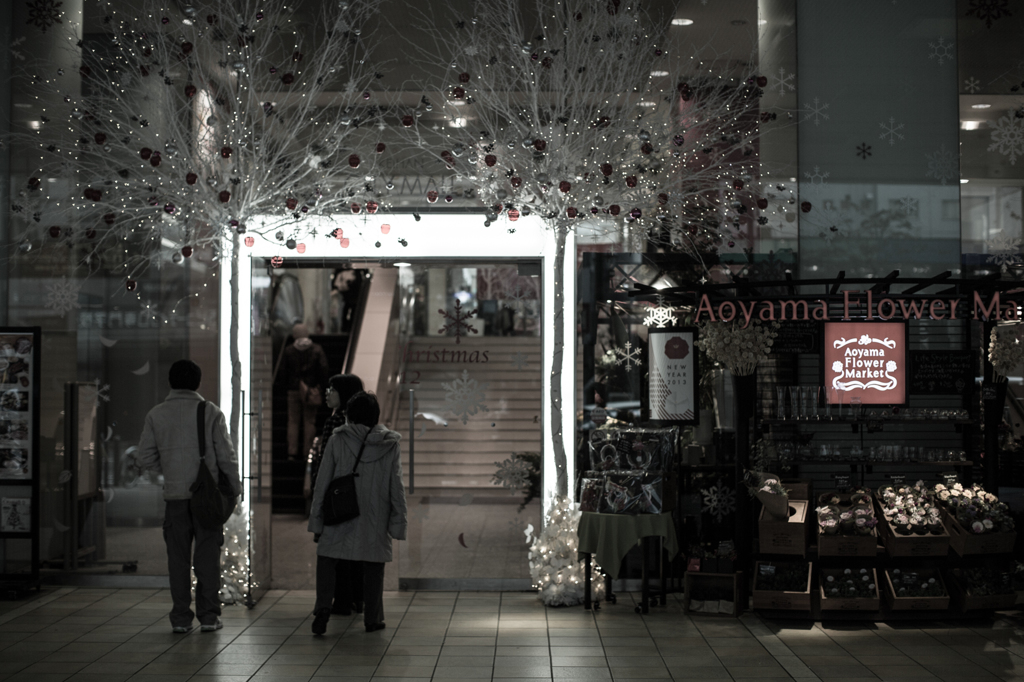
(436, 237)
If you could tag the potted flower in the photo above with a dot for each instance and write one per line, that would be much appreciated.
(846, 522)
(902, 524)
(917, 525)
(774, 497)
(829, 526)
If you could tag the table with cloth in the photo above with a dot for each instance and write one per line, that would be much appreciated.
(609, 537)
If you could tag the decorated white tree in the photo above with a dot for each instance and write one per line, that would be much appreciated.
(200, 124)
(577, 111)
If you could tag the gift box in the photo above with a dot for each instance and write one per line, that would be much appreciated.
(633, 449)
(591, 492)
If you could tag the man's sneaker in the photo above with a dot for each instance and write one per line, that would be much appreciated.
(181, 629)
(320, 622)
(211, 627)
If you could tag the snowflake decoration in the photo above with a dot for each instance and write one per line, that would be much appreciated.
(782, 81)
(972, 85)
(517, 295)
(98, 391)
(817, 177)
(942, 165)
(627, 355)
(513, 474)
(864, 150)
(660, 315)
(909, 205)
(471, 50)
(831, 222)
(62, 296)
(719, 501)
(989, 10)
(519, 361)
(942, 51)
(1004, 251)
(464, 397)
(44, 13)
(816, 112)
(891, 131)
(20, 56)
(457, 322)
(350, 86)
(1008, 137)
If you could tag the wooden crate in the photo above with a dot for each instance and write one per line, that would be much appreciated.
(848, 545)
(851, 603)
(784, 601)
(911, 545)
(965, 542)
(916, 603)
(735, 580)
(965, 602)
(784, 537)
(799, 489)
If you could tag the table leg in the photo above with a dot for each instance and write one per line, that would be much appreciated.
(609, 596)
(586, 581)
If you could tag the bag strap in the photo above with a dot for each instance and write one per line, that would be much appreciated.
(360, 455)
(201, 428)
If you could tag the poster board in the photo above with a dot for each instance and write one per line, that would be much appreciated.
(672, 391)
(865, 361)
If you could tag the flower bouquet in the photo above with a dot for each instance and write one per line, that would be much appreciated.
(773, 496)
(738, 346)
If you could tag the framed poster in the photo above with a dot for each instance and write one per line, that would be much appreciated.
(865, 361)
(672, 391)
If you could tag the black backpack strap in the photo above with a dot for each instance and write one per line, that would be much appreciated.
(201, 428)
(360, 455)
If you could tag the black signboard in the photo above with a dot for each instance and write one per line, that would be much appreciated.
(798, 336)
(842, 482)
(897, 479)
(940, 372)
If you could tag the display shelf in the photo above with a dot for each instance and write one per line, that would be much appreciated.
(851, 462)
(824, 422)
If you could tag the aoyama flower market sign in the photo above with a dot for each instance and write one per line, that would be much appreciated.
(866, 360)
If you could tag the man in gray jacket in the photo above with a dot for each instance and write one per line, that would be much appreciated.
(170, 445)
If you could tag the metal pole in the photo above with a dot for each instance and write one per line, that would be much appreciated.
(412, 441)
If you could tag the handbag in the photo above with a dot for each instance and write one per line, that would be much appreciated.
(340, 502)
(212, 502)
(310, 395)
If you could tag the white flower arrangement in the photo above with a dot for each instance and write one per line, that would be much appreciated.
(1005, 349)
(737, 347)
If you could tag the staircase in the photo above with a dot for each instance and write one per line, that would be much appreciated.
(461, 457)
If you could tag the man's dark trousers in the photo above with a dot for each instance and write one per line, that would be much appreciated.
(179, 532)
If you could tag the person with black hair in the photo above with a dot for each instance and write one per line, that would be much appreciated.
(170, 445)
(366, 539)
(348, 590)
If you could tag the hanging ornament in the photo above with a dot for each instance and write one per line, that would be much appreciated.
(371, 207)
(55, 231)
(249, 241)
(186, 48)
(131, 285)
(291, 203)
(224, 196)
(186, 251)
(614, 209)
(805, 207)
(353, 161)
(662, 198)
(513, 214)
(606, 169)
(678, 140)
(448, 158)
(631, 181)
(290, 243)
(762, 203)
(564, 186)
(407, 120)
(177, 257)
(380, 147)
(108, 218)
(25, 246)
(571, 212)
(517, 181)
(168, 208)
(432, 196)
(154, 159)
(385, 228)
(463, 77)
(145, 153)
(737, 184)
(490, 159)
(301, 248)
(190, 91)
(191, 178)
(288, 78)
(646, 148)
(225, 152)
(355, 208)
(540, 145)
(100, 138)
(277, 261)
(635, 214)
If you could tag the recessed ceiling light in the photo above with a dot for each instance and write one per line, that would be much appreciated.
(762, 22)
(403, 265)
(964, 181)
(981, 106)
(458, 122)
(970, 125)
(682, 22)
(659, 74)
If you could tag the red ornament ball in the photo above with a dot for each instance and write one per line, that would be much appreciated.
(513, 214)
(371, 207)
(131, 285)
(249, 241)
(678, 140)
(631, 181)
(606, 169)
(762, 81)
(288, 79)
(191, 178)
(646, 148)
(540, 145)
(354, 161)
(145, 153)
(301, 248)
(190, 90)
(432, 196)
(407, 120)
(55, 231)
(805, 207)
(458, 92)
(463, 77)
(100, 138)
(109, 218)
(762, 203)
(168, 208)
(291, 203)
(277, 261)
(355, 208)
(380, 147)
(154, 160)
(344, 242)
(564, 186)
(385, 228)
(737, 184)
(517, 181)
(186, 47)
(571, 212)
(490, 159)
(614, 209)
(186, 251)
(635, 213)
(225, 152)
(663, 198)
(224, 196)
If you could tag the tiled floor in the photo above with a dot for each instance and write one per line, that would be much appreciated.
(116, 635)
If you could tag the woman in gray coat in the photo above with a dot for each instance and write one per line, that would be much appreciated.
(382, 512)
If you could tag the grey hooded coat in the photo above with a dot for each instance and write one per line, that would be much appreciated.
(379, 489)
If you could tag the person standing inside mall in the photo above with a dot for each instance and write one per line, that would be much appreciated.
(304, 371)
(382, 512)
(348, 583)
(170, 445)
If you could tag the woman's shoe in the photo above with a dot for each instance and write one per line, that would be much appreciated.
(374, 627)
(320, 622)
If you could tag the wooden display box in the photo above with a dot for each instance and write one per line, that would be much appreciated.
(784, 537)
(799, 489)
(848, 545)
(783, 601)
(965, 542)
(847, 603)
(989, 602)
(733, 580)
(897, 545)
(916, 603)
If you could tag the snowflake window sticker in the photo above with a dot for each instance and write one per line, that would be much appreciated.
(62, 296)
(1004, 251)
(513, 473)
(942, 51)
(628, 355)
(660, 315)
(719, 501)
(464, 397)
(909, 205)
(816, 177)
(782, 81)
(43, 14)
(816, 112)
(457, 322)
(989, 10)
(972, 85)
(942, 165)
(891, 130)
(1008, 137)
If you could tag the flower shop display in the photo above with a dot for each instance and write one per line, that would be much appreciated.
(911, 521)
(984, 588)
(737, 345)
(978, 522)
(846, 524)
(849, 589)
(782, 525)
(785, 586)
(916, 590)
(629, 471)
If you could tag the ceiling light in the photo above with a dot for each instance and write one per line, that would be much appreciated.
(458, 122)
(981, 106)
(682, 22)
(659, 74)
(970, 125)
(964, 181)
(645, 103)
(24, 105)
(403, 265)
(457, 103)
(35, 125)
(762, 22)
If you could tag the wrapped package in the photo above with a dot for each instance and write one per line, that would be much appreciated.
(647, 449)
(604, 451)
(591, 492)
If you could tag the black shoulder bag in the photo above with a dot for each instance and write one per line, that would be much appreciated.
(340, 502)
(212, 502)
